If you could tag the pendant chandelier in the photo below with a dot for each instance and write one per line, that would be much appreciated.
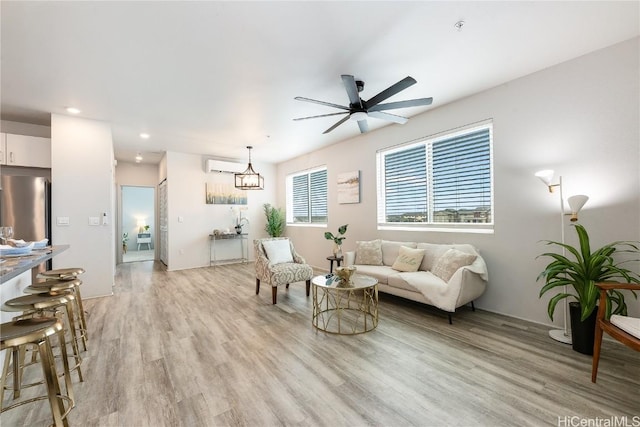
(249, 179)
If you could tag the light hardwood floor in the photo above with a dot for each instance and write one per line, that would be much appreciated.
(199, 348)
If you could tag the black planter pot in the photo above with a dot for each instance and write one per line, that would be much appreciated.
(582, 332)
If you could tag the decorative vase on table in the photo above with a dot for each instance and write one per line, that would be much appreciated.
(582, 331)
(337, 250)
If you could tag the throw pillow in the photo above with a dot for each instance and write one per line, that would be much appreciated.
(432, 252)
(408, 259)
(391, 249)
(369, 253)
(278, 251)
(450, 262)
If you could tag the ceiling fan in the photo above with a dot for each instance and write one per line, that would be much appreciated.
(359, 109)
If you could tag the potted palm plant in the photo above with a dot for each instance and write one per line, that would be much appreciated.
(579, 272)
(276, 220)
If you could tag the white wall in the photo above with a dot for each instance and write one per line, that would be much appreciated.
(82, 178)
(580, 118)
(137, 174)
(189, 239)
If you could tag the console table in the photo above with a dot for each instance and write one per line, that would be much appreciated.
(144, 238)
(244, 247)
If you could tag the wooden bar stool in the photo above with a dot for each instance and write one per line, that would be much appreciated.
(71, 273)
(36, 332)
(44, 305)
(55, 287)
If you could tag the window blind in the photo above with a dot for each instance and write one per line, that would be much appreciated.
(309, 197)
(461, 178)
(447, 179)
(406, 185)
(301, 198)
(318, 191)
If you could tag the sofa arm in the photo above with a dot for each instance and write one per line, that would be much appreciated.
(349, 258)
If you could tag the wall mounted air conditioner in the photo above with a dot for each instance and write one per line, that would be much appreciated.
(222, 166)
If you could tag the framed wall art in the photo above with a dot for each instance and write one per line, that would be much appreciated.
(219, 190)
(349, 187)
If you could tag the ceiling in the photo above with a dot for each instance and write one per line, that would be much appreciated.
(213, 77)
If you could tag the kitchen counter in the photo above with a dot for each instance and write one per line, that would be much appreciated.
(14, 266)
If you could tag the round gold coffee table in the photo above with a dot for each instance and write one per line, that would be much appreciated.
(345, 310)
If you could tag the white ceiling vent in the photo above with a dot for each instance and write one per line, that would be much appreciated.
(221, 166)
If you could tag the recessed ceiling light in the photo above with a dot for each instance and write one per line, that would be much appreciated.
(144, 135)
(72, 110)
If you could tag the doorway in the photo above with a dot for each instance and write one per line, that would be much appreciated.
(138, 223)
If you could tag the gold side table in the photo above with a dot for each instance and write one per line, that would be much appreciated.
(345, 310)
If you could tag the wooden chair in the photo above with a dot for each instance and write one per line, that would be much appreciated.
(605, 325)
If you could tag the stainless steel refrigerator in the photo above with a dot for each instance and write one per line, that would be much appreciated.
(25, 205)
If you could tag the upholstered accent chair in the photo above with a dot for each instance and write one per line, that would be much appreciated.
(622, 328)
(278, 263)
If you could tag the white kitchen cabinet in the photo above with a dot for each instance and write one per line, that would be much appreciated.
(3, 148)
(23, 150)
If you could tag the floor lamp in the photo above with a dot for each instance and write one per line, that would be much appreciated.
(575, 204)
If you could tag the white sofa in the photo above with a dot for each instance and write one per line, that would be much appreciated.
(465, 285)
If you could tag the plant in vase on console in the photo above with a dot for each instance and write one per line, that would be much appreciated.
(337, 240)
(239, 220)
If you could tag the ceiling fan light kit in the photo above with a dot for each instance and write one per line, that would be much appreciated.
(358, 115)
(359, 110)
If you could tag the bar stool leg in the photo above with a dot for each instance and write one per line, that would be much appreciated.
(5, 371)
(18, 363)
(83, 321)
(65, 364)
(74, 338)
(51, 380)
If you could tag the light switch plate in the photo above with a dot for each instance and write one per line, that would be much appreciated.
(62, 220)
(94, 220)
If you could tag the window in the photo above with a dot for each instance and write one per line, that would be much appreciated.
(307, 197)
(443, 182)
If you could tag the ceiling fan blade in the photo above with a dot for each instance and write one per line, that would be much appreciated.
(321, 115)
(341, 121)
(389, 117)
(363, 125)
(328, 104)
(402, 104)
(391, 90)
(352, 90)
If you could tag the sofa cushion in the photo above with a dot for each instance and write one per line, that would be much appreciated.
(408, 281)
(380, 272)
(408, 259)
(450, 262)
(278, 251)
(391, 249)
(369, 252)
(432, 252)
